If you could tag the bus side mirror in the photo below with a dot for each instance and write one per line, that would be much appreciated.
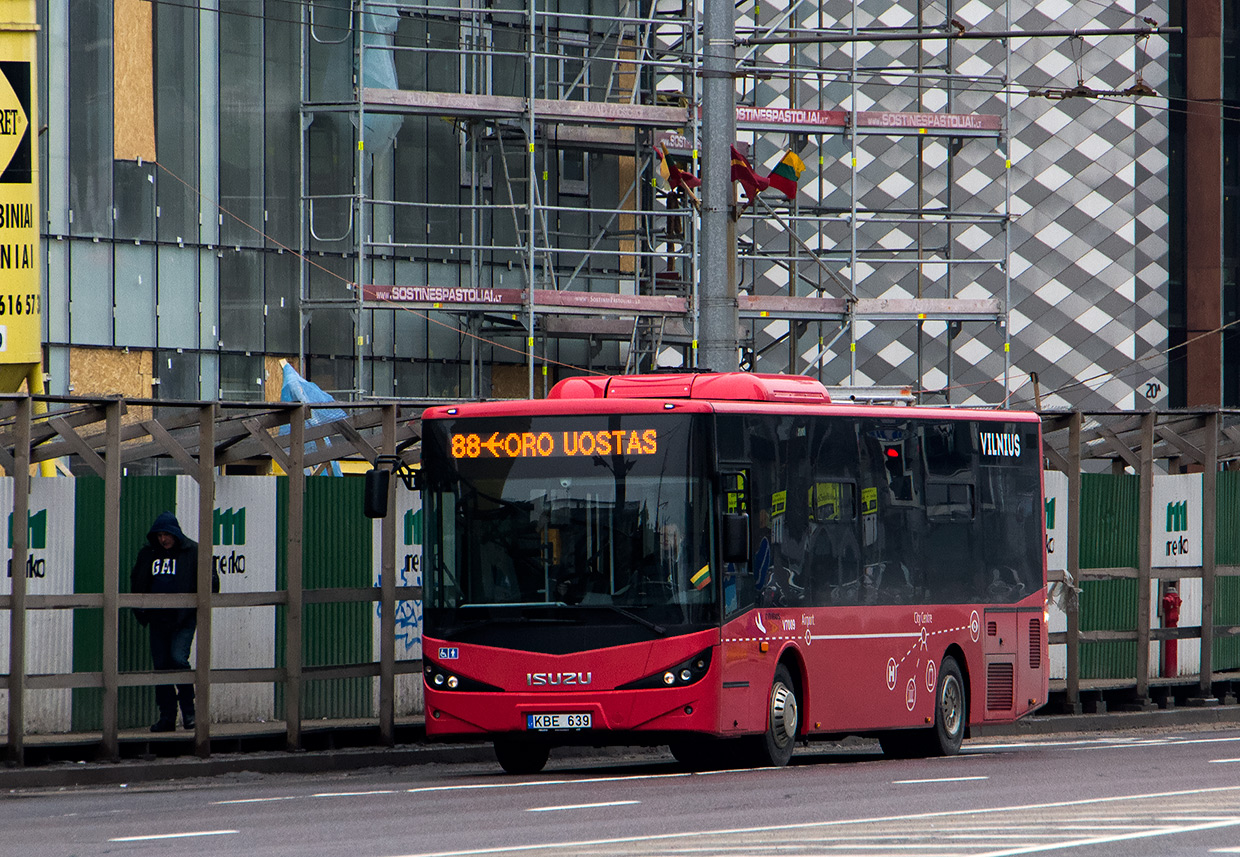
(375, 497)
(379, 478)
(736, 538)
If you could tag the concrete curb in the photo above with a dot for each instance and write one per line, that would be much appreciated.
(1115, 721)
(146, 770)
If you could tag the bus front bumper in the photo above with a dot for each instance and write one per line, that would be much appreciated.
(685, 709)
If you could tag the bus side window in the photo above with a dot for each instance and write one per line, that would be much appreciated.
(834, 554)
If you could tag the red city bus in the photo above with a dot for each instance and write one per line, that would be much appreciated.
(728, 564)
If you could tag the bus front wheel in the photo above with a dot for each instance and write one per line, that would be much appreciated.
(521, 757)
(774, 747)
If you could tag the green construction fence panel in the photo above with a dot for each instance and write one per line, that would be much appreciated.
(1110, 524)
(142, 499)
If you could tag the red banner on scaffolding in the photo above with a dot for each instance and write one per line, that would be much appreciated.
(435, 297)
(790, 116)
(935, 121)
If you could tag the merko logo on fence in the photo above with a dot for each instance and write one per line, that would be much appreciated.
(36, 541)
(1175, 521)
(228, 530)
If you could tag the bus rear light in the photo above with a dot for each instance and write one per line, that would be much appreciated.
(682, 674)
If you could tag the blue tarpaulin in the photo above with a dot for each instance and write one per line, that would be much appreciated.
(297, 389)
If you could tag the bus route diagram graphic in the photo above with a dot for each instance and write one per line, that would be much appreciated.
(921, 644)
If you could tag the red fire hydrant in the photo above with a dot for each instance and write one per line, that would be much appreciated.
(1171, 619)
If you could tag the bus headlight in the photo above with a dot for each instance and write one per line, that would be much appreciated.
(437, 678)
(682, 674)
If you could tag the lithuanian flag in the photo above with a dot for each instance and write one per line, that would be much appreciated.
(702, 578)
(786, 174)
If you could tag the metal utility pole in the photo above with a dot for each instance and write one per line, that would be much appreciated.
(719, 346)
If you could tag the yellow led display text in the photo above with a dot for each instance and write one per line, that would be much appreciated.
(545, 444)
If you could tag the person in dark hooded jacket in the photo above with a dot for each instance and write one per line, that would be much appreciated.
(168, 563)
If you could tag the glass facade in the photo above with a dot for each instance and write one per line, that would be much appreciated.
(280, 183)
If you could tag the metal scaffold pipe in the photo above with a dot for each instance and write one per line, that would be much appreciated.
(719, 348)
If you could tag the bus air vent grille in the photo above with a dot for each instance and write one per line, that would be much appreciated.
(1000, 686)
(1035, 644)
(992, 629)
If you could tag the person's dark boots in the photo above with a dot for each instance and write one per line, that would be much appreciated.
(187, 720)
(164, 724)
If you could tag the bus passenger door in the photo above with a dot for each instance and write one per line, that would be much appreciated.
(741, 660)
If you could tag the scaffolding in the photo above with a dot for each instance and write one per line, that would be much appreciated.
(556, 246)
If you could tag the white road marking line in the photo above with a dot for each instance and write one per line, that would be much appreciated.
(937, 780)
(810, 825)
(1108, 826)
(357, 794)
(1099, 743)
(1223, 761)
(582, 806)
(171, 836)
(1225, 850)
(475, 787)
(1106, 840)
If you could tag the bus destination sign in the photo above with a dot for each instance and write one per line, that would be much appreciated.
(562, 444)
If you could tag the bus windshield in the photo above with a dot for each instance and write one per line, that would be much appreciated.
(590, 520)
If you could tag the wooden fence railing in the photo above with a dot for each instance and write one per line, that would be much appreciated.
(106, 436)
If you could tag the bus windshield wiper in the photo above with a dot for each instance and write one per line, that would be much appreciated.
(640, 620)
(508, 620)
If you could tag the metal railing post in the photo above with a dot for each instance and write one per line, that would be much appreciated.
(387, 610)
(17, 604)
(1072, 607)
(206, 509)
(111, 580)
(293, 577)
(1144, 564)
(1209, 561)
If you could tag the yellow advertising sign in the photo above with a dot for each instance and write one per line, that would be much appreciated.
(20, 329)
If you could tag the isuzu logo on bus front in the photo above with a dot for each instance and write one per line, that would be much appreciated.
(549, 679)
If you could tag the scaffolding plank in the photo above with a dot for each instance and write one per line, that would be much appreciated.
(748, 118)
(510, 106)
(912, 309)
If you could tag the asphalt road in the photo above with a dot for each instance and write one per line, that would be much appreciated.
(1151, 792)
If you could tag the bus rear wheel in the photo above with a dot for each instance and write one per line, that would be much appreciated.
(521, 757)
(951, 711)
(950, 715)
(774, 747)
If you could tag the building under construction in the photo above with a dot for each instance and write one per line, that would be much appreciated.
(478, 198)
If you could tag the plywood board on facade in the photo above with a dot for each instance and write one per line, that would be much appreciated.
(273, 375)
(512, 382)
(111, 372)
(133, 81)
